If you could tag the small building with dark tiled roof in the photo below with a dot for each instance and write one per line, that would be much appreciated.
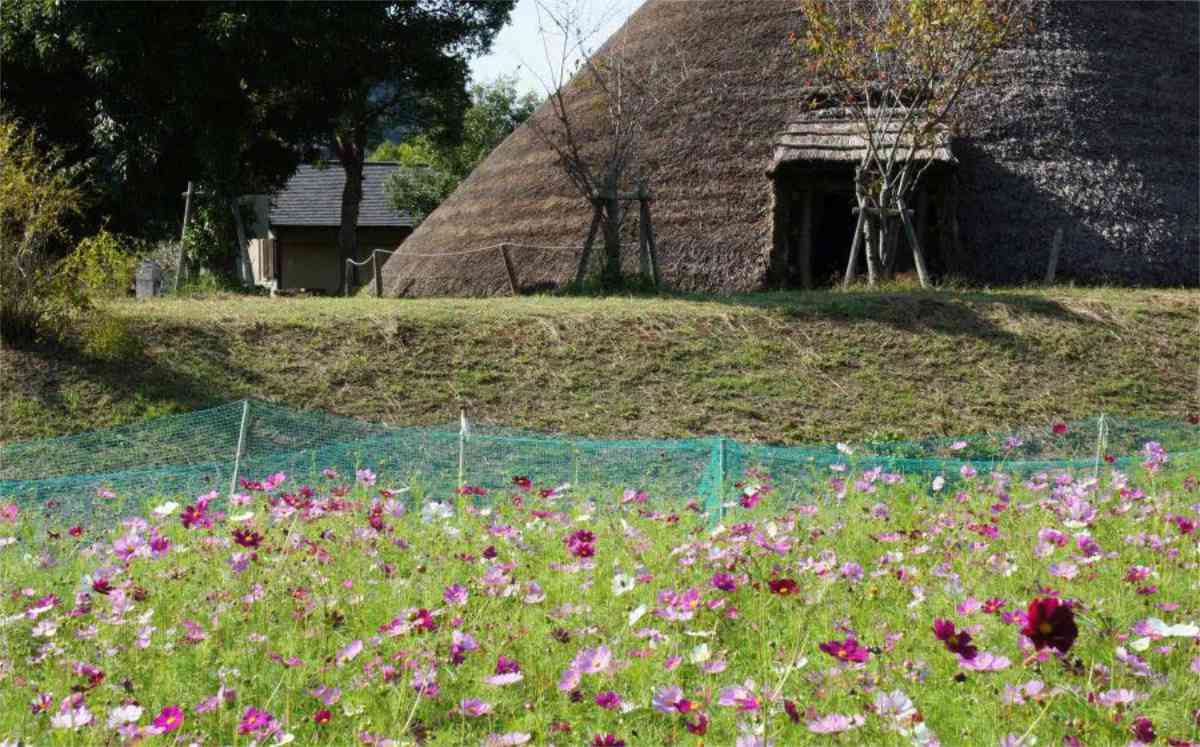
(293, 241)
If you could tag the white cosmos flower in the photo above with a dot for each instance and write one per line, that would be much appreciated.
(166, 509)
(622, 584)
(121, 715)
(636, 614)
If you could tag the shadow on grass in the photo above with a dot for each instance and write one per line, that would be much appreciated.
(133, 378)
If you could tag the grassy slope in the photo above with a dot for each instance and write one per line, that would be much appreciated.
(776, 367)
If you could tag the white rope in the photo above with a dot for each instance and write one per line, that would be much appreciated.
(370, 259)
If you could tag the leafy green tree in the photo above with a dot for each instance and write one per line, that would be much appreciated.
(146, 97)
(392, 65)
(38, 194)
(433, 167)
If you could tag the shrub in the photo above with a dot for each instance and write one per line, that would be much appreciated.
(37, 196)
(102, 266)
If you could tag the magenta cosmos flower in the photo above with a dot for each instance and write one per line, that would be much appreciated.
(847, 650)
(169, 719)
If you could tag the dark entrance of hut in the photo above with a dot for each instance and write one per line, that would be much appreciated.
(815, 217)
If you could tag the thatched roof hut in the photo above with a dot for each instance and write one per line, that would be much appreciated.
(1091, 126)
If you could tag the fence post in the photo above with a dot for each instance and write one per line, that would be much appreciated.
(237, 457)
(508, 268)
(1100, 439)
(716, 500)
(378, 274)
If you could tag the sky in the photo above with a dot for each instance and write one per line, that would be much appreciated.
(520, 47)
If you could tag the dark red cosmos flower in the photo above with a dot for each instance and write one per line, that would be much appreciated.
(793, 713)
(607, 740)
(75, 531)
(847, 650)
(699, 727)
(1143, 729)
(323, 716)
(957, 641)
(522, 482)
(247, 537)
(489, 552)
(783, 586)
(101, 586)
(1050, 622)
(1059, 428)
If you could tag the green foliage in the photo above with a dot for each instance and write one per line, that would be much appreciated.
(37, 197)
(108, 337)
(103, 265)
(434, 167)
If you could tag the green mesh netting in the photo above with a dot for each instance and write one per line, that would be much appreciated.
(185, 455)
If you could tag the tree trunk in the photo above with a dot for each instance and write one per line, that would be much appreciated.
(351, 152)
(872, 242)
(612, 240)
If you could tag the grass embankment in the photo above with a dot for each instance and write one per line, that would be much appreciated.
(789, 367)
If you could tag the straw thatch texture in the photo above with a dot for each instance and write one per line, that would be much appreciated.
(1091, 125)
(835, 136)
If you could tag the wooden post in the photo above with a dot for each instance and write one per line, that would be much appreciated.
(378, 273)
(187, 213)
(643, 246)
(918, 253)
(346, 278)
(587, 246)
(512, 273)
(650, 244)
(805, 248)
(778, 267)
(1055, 248)
(855, 246)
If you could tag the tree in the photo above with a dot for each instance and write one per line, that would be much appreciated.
(601, 156)
(392, 64)
(37, 194)
(900, 69)
(147, 97)
(434, 168)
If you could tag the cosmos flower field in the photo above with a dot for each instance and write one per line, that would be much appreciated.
(868, 608)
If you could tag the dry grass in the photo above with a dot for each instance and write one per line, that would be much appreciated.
(785, 367)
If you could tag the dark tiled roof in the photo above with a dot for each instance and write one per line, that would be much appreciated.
(313, 197)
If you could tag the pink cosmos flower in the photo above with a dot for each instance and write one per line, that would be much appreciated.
(353, 649)
(835, 723)
(510, 739)
(474, 707)
(984, 661)
(257, 723)
(724, 581)
(169, 719)
(740, 696)
(667, 699)
(455, 594)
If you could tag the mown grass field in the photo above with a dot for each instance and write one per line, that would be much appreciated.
(779, 367)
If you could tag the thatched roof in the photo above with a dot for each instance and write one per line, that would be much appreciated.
(1090, 125)
(842, 138)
